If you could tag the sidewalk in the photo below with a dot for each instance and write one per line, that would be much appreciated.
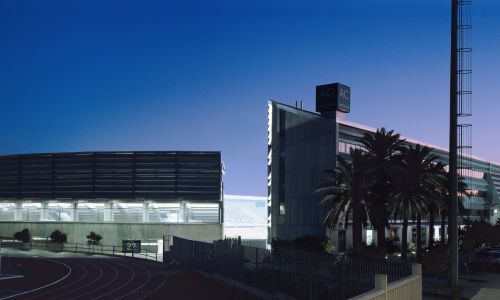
(478, 286)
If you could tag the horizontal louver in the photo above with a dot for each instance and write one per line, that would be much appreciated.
(115, 175)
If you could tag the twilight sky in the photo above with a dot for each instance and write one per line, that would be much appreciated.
(196, 75)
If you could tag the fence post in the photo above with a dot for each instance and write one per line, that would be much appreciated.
(343, 279)
(416, 270)
(76, 247)
(113, 249)
(279, 270)
(256, 259)
(381, 283)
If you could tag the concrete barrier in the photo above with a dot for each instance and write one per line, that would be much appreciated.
(409, 288)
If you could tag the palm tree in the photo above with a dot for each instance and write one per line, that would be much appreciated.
(434, 207)
(384, 151)
(417, 190)
(345, 187)
(444, 204)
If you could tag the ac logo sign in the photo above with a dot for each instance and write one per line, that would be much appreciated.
(344, 93)
(331, 97)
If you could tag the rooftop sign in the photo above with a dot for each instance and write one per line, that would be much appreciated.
(334, 96)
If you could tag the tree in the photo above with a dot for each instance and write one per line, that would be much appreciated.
(384, 152)
(417, 190)
(444, 204)
(93, 238)
(58, 237)
(23, 236)
(345, 188)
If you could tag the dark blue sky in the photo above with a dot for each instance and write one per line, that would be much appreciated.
(188, 75)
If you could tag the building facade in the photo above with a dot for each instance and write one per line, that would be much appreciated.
(302, 145)
(120, 195)
(245, 217)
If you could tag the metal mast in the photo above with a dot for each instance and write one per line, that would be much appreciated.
(460, 111)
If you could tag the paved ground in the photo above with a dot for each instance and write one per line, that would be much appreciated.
(81, 278)
(487, 294)
(477, 286)
(63, 275)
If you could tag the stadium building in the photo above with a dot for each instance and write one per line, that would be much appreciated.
(303, 144)
(245, 217)
(119, 195)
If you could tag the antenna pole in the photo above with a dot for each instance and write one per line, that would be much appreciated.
(453, 180)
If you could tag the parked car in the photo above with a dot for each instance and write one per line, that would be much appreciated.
(488, 258)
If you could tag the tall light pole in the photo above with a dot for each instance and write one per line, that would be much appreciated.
(453, 180)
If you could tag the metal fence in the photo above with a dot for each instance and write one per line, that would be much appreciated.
(301, 274)
(78, 248)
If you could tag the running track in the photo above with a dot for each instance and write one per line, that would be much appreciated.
(82, 278)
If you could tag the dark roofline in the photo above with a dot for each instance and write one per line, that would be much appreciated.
(110, 152)
(315, 114)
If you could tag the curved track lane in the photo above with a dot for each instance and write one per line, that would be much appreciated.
(93, 278)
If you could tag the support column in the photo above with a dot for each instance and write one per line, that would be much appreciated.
(74, 212)
(44, 212)
(18, 211)
(145, 212)
(108, 212)
(183, 212)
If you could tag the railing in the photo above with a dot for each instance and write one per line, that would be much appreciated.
(301, 274)
(78, 248)
(409, 288)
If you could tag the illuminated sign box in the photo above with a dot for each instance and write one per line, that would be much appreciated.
(131, 246)
(334, 96)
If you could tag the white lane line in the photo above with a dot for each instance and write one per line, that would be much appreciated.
(121, 286)
(44, 286)
(101, 272)
(73, 282)
(102, 286)
(162, 284)
(139, 287)
(156, 289)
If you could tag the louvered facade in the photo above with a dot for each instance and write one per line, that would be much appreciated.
(112, 175)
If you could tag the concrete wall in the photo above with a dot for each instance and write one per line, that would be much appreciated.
(114, 233)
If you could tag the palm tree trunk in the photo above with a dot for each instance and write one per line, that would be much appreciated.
(443, 227)
(381, 229)
(357, 234)
(404, 237)
(432, 220)
(419, 237)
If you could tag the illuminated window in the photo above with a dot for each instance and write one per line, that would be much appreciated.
(346, 147)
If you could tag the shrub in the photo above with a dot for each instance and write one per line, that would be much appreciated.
(58, 237)
(328, 246)
(479, 234)
(306, 243)
(435, 261)
(390, 246)
(93, 238)
(372, 252)
(23, 236)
